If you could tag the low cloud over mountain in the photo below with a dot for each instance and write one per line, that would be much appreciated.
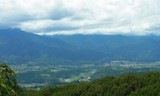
(137, 17)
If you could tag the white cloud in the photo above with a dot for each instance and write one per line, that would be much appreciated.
(82, 16)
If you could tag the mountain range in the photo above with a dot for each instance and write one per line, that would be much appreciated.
(118, 47)
(19, 47)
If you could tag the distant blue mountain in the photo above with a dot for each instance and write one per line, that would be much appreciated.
(118, 47)
(19, 47)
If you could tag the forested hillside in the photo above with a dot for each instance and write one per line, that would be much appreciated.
(146, 84)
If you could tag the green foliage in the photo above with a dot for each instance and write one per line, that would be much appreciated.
(146, 84)
(8, 84)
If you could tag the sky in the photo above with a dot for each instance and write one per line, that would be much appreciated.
(49, 17)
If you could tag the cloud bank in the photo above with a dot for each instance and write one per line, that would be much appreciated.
(48, 17)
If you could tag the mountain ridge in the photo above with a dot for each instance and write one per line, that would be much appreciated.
(17, 43)
(20, 46)
(121, 47)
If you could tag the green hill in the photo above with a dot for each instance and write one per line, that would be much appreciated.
(146, 84)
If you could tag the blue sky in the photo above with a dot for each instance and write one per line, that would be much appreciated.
(133, 17)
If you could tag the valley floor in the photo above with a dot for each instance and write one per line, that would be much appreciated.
(37, 76)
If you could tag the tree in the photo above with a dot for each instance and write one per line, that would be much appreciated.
(8, 84)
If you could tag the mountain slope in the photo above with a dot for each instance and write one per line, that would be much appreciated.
(118, 47)
(19, 47)
(146, 84)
